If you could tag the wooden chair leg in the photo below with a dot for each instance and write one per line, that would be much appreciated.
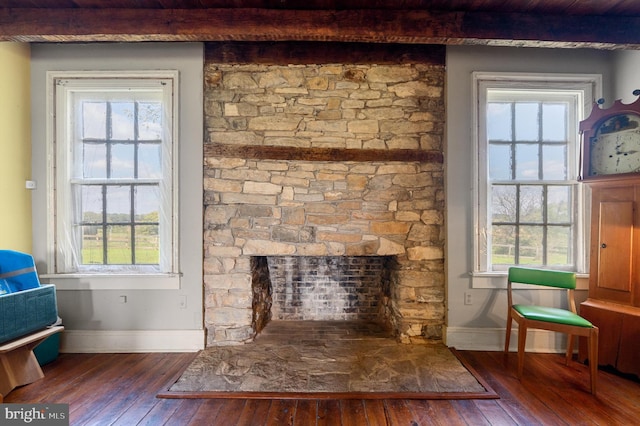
(569, 349)
(522, 340)
(593, 358)
(507, 337)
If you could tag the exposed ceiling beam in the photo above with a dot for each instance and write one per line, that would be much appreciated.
(370, 26)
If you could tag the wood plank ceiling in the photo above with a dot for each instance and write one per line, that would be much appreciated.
(544, 23)
(570, 7)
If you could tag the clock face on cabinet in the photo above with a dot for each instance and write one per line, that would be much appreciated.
(615, 147)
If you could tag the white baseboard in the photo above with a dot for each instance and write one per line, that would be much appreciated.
(492, 339)
(122, 341)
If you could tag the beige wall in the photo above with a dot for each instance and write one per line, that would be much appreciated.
(15, 147)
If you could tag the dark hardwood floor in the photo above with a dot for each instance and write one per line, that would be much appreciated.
(120, 389)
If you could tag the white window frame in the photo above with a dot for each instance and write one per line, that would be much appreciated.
(590, 87)
(169, 277)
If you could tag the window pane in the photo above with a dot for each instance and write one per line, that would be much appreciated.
(527, 121)
(531, 205)
(92, 250)
(122, 160)
(500, 162)
(559, 245)
(122, 121)
(119, 245)
(527, 162)
(499, 121)
(118, 204)
(554, 162)
(94, 160)
(503, 203)
(503, 245)
(149, 121)
(531, 245)
(91, 203)
(554, 122)
(94, 120)
(147, 203)
(559, 204)
(149, 161)
(147, 252)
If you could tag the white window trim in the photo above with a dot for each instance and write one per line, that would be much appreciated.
(591, 84)
(109, 281)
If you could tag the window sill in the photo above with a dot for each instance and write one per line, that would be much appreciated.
(498, 280)
(113, 281)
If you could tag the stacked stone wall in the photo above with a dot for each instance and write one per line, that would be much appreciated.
(324, 208)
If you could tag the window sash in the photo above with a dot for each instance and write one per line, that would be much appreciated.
(544, 221)
(101, 252)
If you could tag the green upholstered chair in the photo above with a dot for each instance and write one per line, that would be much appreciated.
(549, 318)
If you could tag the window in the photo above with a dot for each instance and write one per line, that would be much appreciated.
(528, 200)
(114, 170)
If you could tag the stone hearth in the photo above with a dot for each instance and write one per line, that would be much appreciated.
(328, 357)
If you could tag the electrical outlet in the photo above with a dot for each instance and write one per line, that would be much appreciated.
(467, 298)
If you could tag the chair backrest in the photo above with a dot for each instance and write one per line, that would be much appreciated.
(559, 279)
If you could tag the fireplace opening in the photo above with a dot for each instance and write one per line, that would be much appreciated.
(321, 288)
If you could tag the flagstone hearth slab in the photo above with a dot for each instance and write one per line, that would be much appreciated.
(327, 357)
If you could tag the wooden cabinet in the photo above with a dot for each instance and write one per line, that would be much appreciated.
(619, 341)
(614, 273)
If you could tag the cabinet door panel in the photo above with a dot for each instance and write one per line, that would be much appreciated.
(615, 244)
(629, 345)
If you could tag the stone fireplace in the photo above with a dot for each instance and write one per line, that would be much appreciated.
(327, 164)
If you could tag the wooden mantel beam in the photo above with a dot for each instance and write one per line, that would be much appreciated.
(369, 26)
